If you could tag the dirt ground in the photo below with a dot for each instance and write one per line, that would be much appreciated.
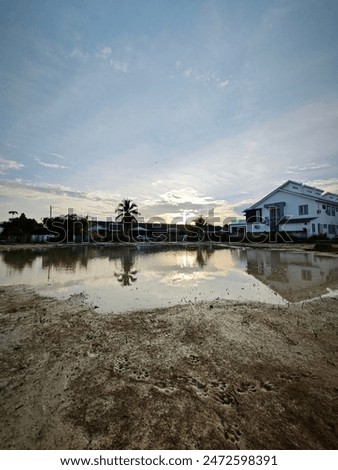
(225, 375)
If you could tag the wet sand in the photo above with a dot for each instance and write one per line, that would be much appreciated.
(225, 375)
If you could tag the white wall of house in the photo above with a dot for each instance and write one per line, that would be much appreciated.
(312, 211)
(237, 226)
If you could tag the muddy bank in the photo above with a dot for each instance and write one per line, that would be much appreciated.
(200, 376)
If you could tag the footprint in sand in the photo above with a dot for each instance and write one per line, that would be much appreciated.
(267, 386)
(200, 388)
(165, 387)
(193, 359)
(140, 374)
(225, 398)
(246, 387)
(232, 434)
(121, 364)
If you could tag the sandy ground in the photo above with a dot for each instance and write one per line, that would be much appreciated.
(222, 376)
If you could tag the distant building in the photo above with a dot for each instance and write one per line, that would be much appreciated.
(237, 227)
(40, 235)
(296, 209)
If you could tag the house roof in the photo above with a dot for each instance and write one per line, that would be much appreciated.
(317, 197)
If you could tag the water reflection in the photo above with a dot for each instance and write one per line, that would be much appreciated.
(179, 273)
(127, 275)
(69, 258)
(295, 276)
(19, 262)
(203, 255)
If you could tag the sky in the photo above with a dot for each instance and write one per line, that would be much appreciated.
(186, 107)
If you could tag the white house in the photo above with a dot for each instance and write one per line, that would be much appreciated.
(295, 209)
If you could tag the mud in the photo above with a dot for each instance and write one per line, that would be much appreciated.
(225, 375)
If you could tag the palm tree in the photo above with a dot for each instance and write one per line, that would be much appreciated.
(12, 213)
(201, 222)
(202, 225)
(127, 212)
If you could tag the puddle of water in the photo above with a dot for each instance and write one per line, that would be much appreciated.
(127, 278)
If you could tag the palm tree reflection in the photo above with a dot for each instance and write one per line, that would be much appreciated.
(202, 256)
(127, 275)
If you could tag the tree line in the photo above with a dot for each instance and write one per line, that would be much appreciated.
(72, 227)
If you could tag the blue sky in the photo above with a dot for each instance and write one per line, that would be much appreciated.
(185, 106)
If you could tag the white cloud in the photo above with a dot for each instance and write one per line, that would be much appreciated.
(57, 155)
(6, 165)
(6, 144)
(304, 139)
(187, 73)
(50, 165)
(307, 166)
(222, 83)
(227, 175)
(78, 54)
(328, 185)
(35, 199)
(119, 66)
(211, 76)
(104, 52)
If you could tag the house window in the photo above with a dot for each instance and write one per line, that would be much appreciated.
(332, 230)
(325, 225)
(313, 228)
(324, 206)
(303, 210)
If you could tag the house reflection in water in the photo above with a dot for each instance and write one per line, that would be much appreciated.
(295, 276)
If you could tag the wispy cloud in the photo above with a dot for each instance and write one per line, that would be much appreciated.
(26, 195)
(105, 53)
(119, 66)
(6, 165)
(10, 146)
(328, 184)
(57, 155)
(201, 104)
(55, 166)
(78, 54)
(254, 161)
(208, 77)
(308, 166)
